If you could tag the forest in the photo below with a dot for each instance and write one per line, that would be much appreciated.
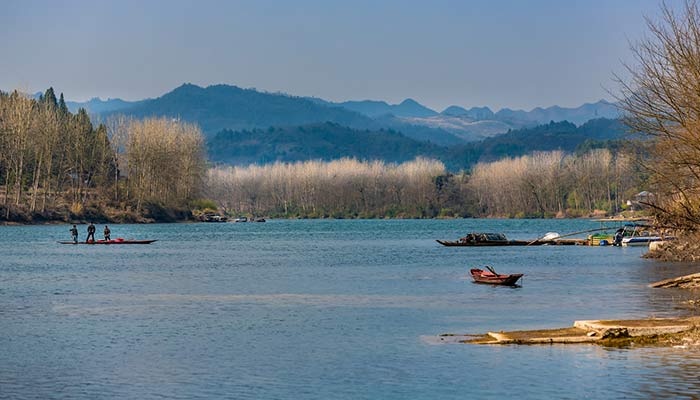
(56, 165)
(330, 141)
(545, 184)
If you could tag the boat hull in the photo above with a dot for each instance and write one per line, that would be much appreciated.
(113, 242)
(481, 276)
(640, 241)
(557, 242)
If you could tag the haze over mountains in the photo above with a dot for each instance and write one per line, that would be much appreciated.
(220, 107)
(244, 126)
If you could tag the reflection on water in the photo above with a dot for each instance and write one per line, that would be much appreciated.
(323, 309)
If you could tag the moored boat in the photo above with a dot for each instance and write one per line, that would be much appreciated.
(499, 239)
(481, 276)
(642, 240)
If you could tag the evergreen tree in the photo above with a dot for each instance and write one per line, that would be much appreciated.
(50, 98)
(62, 106)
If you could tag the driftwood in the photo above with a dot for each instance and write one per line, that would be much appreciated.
(685, 282)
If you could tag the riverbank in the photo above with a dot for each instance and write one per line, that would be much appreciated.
(617, 333)
(151, 213)
(686, 248)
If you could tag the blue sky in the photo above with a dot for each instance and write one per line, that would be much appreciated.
(499, 53)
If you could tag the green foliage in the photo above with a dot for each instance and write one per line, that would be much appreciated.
(329, 141)
(553, 136)
(203, 204)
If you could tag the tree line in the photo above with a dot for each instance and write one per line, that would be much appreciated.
(539, 185)
(55, 164)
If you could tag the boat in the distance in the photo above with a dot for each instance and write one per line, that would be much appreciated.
(643, 240)
(499, 239)
(113, 241)
(493, 278)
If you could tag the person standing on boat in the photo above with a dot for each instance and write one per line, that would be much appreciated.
(107, 232)
(617, 239)
(74, 233)
(91, 233)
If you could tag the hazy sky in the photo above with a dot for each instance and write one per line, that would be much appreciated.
(499, 53)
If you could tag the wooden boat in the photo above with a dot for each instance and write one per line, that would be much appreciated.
(115, 241)
(535, 242)
(462, 243)
(481, 276)
(480, 239)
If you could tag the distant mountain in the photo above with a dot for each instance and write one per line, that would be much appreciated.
(372, 108)
(220, 107)
(330, 141)
(326, 141)
(99, 106)
(480, 122)
(577, 115)
(552, 136)
(475, 113)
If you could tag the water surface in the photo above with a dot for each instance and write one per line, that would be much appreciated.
(322, 309)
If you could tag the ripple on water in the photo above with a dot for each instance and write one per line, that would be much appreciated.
(322, 309)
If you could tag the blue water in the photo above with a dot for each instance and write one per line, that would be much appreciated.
(323, 310)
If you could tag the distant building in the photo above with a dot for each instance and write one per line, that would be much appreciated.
(642, 200)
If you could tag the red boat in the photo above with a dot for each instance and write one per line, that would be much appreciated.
(491, 277)
(114, 241)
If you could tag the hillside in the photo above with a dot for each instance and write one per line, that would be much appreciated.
(371, 108)
(329, 141)
(99, 106)
(326, 141)
(553, 136)
(220, 107)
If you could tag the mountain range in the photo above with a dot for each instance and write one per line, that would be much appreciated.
(244, 126)
(220, 107)
(328, 141)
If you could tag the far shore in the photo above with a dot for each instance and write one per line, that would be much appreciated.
(21, 222)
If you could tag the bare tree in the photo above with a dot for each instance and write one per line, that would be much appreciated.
(661, 99)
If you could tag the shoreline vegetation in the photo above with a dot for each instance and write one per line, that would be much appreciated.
(660, 100)
(541, 185)
(57, 166)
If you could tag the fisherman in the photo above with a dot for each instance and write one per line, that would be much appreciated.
(617, 239)
(107, 232)
(74, 233)
(90, 233)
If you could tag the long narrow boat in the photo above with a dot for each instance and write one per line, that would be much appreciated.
(481, 276)
(556, 242)
(461, 243)
(115, 241)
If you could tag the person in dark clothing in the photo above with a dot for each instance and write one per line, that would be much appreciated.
(91, 233)
(107, 232)
(74, 233)
(617, 239)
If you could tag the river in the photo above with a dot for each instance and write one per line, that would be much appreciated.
(323, 309)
